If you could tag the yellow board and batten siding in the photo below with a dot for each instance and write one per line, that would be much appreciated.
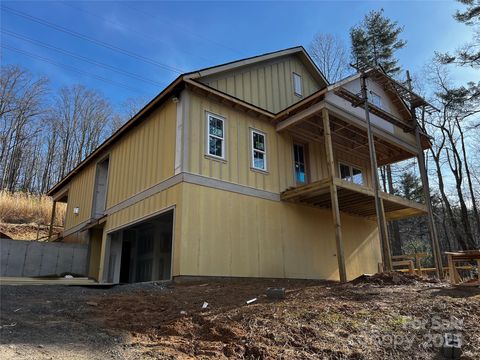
(142, 158)
(80, 195)
(268, 85)
(230, 234)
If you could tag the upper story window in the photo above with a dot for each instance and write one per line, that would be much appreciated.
(259, 150)
(297, 84)
(375, 99)
(216, 136)
(351, 173)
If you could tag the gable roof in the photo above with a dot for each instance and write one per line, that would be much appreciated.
(189, 79)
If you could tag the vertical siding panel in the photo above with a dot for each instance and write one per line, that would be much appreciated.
(231, 85)
(254, 87)
(247, 86)
(222, 85)
(276, 86)
(269, 88)
(268, 85)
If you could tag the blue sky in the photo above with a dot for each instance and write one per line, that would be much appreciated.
(165, 38)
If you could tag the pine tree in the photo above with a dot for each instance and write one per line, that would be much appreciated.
(468, 54)
(375, 40)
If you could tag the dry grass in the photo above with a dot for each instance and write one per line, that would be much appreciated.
(24, 208)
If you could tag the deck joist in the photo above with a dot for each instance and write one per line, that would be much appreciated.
(353, 199)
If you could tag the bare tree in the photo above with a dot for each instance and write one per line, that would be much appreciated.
(331, 56)
(128, 109)
(21, 103)
(80, 118)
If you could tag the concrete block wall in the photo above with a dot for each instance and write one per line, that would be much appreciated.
(31, 258)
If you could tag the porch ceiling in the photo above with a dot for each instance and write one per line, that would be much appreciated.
(353, 199)
(348, 137)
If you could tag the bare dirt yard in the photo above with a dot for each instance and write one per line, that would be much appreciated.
(384, 317)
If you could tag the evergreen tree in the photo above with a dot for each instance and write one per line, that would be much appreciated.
(468, 54)
(410, 187)
(375, 41)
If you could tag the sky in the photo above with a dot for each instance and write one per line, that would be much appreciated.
(134, 49)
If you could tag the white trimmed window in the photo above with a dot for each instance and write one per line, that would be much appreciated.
(215, 136)
(259, 150)
(351, 173)
(297, 84)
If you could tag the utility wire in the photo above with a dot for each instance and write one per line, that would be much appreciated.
(184, 29)
(132, 29)
(81, 57)
(71, 68)
(92, 40)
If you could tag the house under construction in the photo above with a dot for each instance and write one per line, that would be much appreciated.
(255, 168)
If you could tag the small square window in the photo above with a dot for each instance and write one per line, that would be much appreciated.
(216, 136)
(259, 150)
(297, 84)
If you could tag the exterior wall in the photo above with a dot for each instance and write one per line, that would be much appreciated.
(80, 194)
(355, 87)
(229, 234)
(144, 156)
(268, 85)
(237, 166)
(151, 206)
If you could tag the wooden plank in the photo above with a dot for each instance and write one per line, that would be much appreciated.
(334, 199)
(301, 116)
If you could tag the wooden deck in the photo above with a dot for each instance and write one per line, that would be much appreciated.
(353, 199)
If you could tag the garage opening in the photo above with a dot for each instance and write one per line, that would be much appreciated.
(142, 252)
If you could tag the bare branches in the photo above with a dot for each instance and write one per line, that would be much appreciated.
(42, 139)
(330, 55)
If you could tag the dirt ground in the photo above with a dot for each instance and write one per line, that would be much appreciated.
(389, 316)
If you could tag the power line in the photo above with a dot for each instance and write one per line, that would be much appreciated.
(92, 40)
(71, 68)
(131, 28)
(81, 57)
(184, 29)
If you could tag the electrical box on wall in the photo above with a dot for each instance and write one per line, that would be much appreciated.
(76, 210)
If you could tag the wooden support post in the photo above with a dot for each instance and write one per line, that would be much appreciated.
(437, 255)
(379, 209)
(334, 198)
(52, 220)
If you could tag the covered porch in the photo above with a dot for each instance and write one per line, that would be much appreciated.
(343, 120)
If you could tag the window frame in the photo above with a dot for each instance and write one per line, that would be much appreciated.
(373, 95)
(210, 115)
(351, 167)
(306, 161)
(294, 75)
(253, 150)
